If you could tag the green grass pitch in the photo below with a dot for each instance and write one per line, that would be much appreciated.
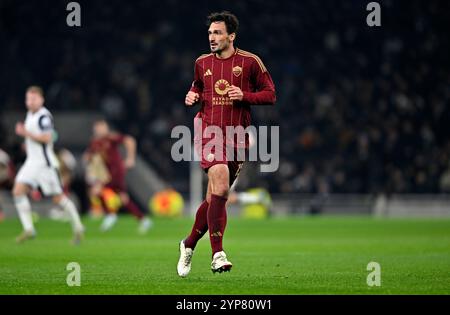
(302, 255)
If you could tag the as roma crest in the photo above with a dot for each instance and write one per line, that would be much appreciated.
(237, 71)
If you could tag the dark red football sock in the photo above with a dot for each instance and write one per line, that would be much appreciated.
(217, 220)
(200, 226)
(134, 209)
(104, 204)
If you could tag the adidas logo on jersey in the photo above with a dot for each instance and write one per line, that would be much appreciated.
(207, 73)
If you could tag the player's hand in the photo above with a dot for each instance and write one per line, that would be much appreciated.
(191, 98)
(20, 129)
(235, 93)
(130, 163)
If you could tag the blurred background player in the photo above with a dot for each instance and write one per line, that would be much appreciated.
(102, 198)
(41, 168)
(7, 173)
(67, 163)
(105, 149)
(226, 82)
(96, 177)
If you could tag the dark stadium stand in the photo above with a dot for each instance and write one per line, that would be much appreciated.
(361, 110)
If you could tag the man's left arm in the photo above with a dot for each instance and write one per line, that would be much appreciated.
(130, 146)
(265, 88)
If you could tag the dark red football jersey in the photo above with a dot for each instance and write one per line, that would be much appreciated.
(108, 148)
(213, 77)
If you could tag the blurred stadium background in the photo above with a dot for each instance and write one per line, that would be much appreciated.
(364, 112)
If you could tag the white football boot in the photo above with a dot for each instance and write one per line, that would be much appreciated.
(220, 263)
(78, 236)
(25, 236)
(108, 222)
(145, 225)
(184, 263)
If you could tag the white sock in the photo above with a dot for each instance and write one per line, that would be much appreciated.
(23, 207)
(68, 206)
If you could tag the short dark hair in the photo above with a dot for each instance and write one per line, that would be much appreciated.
(230, 20)
(36, 89)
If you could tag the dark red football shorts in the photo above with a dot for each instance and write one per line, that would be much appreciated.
(213, 151)
(118, 182)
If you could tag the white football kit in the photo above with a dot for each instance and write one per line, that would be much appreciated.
(41, 168)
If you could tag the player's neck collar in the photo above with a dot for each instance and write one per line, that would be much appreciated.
(37, 111)
(231, 56)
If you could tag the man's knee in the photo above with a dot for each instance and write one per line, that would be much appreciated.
(58, 199)
(219, 179)
(19, 190)
(221, 190)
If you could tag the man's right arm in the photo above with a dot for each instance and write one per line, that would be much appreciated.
(194, 94)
